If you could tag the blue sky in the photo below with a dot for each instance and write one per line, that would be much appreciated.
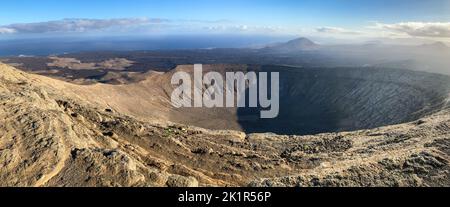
(336, 17)
(338, 12)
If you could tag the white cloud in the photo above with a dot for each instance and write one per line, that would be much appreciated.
(5, 30)
(243, 29)
(77, 25)
(337, 30)
(418, 29)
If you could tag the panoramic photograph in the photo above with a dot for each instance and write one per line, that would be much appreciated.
(259, 94)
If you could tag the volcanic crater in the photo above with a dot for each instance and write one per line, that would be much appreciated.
(322, 100)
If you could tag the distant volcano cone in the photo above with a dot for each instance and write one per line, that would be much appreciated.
(298, 44)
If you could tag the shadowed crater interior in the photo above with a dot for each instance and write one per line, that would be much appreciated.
(341, 99)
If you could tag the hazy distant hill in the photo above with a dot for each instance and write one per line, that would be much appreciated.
(298, 44)
(437, 46)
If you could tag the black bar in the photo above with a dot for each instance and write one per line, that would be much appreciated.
(265, 197)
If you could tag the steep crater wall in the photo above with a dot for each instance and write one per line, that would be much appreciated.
(319, 100)
(344, 99)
